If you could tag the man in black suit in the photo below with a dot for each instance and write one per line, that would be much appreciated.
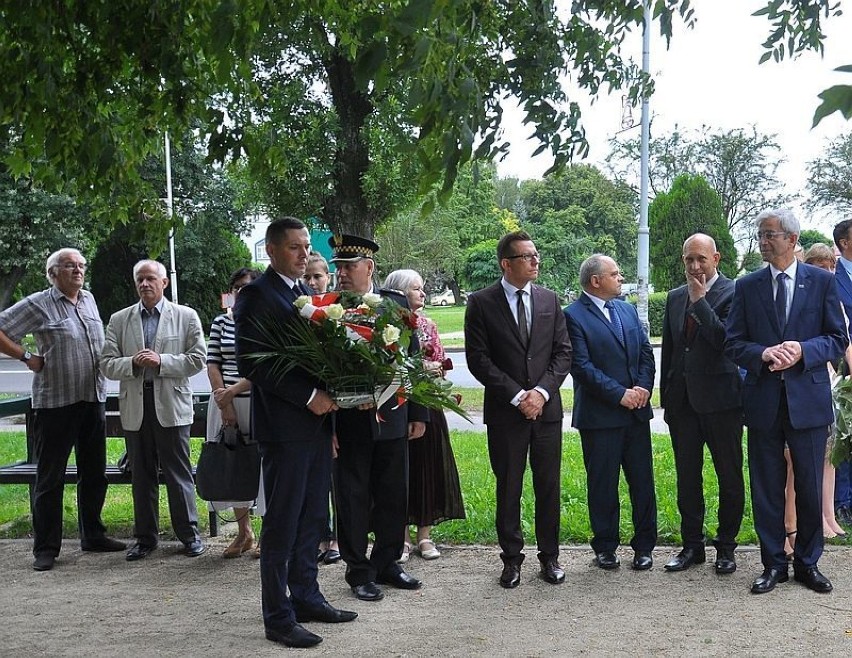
(700, 390)
(613, 373)
(371, 470)
(291, 422)
(518, 349)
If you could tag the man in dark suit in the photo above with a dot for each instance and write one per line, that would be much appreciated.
(784, 326)
(291, 422)
(517, 347)
(843, 274)
(613, 373)
(700, 392)
(371, 471)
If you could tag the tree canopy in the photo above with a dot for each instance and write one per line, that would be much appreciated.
(830, 176)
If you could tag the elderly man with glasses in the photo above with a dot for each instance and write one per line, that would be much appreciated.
(68, 400)
(784, 326)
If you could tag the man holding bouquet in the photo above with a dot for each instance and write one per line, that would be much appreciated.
(372, 457)
(291, 420)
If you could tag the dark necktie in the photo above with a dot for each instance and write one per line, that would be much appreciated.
(781, 300)
(522, 319)
(690, 328)
(616, 321)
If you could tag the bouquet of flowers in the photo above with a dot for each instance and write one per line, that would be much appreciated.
(358, 345)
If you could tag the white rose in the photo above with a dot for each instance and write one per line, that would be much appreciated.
(372, 299)
(390, 335)
(301, 300)
(334, 311)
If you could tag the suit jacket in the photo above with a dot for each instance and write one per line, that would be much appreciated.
(844, 288)
(180, 344)
(603, 368)
(352, 424)
(501, 363)
(815, 320)
(278, 404)
(697, 372)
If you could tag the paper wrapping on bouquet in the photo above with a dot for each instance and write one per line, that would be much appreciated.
(351, 399)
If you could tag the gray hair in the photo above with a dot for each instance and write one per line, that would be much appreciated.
(592, 266)
(786, 219)
(401, 280)
(161, 269)
(53, 262)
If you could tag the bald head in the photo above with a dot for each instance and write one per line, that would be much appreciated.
(700, 256)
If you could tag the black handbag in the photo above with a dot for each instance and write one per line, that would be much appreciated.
(228, 469)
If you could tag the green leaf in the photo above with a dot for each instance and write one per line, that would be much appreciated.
(834, 99)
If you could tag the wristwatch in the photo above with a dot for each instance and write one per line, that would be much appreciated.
(26, 356)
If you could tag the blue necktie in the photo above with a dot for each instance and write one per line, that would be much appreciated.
(781, 300)
(616, 321)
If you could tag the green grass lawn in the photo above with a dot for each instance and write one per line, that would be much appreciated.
(449, 320)
(477, 485)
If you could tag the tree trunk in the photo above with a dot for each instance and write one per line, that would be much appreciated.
(347, 210)
(8, 282)
(453, 285)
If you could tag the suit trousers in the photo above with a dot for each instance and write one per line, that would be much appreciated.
(768, 475)
(371, 490)
(509, 444)
(605, 453)
(56, 431)
(843, 485)
(296, 479)
(152, 449)
(722, 432)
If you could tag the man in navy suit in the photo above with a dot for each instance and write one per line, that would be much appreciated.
(700, 389)
(613, 373)
(843, 274)
(291, 422)
(784, 326)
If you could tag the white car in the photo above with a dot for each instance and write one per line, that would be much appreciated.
(446, 298)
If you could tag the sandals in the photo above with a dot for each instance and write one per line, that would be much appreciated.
(428, 550)
(792, 542)
(239, 546)
(406, 553)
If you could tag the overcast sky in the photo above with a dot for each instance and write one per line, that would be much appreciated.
(710, 76)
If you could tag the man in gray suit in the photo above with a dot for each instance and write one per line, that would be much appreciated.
(700, 390)
(152, 348)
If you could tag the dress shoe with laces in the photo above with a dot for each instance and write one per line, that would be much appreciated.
(511, 576)
(297, 637)
(368, 592)
(812, 579)
(194, 548)
(770, 577)
(642, 561)
(725, 562)
(400, 580)
(324, 613)
(607, 560)
(103, 545)
(139, 551)
(552, 572)
(44, 562)
(685, 559)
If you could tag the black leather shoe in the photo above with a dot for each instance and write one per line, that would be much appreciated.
(607, 560)
(324, 613)
(767, 581)
(725, 562)
(843, 515)
(552, 572)
(642, 561)
(103, 545)
(296, 637)
(139, 551)
(511, 576)
(194, 548)
(400, 580)
(331, 556)
(368, 592)
(685, 559)
(812, 579)
(43, 562)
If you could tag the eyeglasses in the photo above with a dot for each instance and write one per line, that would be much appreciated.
(528, 258)
(769, 235)
(73, 266)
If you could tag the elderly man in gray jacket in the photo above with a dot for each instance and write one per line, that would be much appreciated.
(152, 348)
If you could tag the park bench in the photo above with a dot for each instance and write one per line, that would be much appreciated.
(24, 472)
